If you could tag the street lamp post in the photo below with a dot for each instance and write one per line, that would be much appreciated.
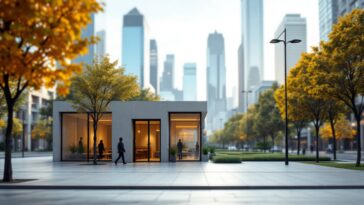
(247, 104)
(285, 42)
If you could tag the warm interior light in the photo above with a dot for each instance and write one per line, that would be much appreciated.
(186, 126)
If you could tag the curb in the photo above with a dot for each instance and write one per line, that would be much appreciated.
(80, 187)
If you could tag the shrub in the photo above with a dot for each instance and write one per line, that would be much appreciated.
(212, 150)
(205, 150)
(226, 159)
(173, 151)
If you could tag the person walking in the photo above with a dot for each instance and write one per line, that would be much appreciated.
(179, 148)
(101, 149)
(121, 150)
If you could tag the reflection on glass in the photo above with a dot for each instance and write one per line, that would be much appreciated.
(74, 136)
(147, 140)
(185, 135)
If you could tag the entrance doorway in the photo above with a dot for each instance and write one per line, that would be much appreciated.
(147, 141)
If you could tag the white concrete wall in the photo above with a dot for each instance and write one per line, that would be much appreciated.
(123, 114)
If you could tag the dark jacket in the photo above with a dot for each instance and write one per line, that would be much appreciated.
(179, 146)
(101, 147)
(121, 147)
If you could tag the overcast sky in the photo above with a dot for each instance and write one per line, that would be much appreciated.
(181, 27)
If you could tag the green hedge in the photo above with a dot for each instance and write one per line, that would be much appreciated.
(261, 156)
(226, 159)
(281, 158)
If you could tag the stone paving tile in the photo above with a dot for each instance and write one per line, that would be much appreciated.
(187, 173)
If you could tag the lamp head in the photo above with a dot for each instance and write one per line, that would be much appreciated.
(295, 41)
(275, 41)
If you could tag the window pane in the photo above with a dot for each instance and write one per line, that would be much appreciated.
(154, 140)
(103, 138)
(141, 141)
(74, 136)
(185, 134)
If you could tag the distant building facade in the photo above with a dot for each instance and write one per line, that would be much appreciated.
(331, 10)
(216, 79)
(189, 82)
(153, 55)
(135, 47)
(101, 44)
(296, 28)
(251, 45)
(87, 33)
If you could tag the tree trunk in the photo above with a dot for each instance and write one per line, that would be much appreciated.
(95, 131)
(317, 144)
(298, 142)
(333, 137)
(8, 170)
(358, 142)
(273, 137)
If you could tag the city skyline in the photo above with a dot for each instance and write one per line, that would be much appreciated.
(174, 33)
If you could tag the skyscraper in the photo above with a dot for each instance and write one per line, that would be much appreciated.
(135, 47)
(296, 29)
(330, 10)
(252, 43)
(189, 82)
(216, 78)
(241, 79)
(87, 33)
(154, 65)
(167, 91)
(101, 44)
(168, 73)
(345, 6)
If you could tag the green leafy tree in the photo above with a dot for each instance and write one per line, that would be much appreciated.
(95, 88)
(146, 95)
(296, 116)
(303, 89)
(268, 121)
(341, 66)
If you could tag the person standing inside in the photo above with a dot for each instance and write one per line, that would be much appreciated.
(179, 148)
(101, 149)
(121, 150)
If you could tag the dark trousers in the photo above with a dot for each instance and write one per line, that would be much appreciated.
(121, 154)
(180, 155)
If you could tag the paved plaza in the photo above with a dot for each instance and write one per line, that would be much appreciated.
(47, 172)
(114, 184)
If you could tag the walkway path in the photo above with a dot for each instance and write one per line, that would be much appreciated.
(47, 172)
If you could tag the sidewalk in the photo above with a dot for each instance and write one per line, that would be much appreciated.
(189, 174)
(26, 154)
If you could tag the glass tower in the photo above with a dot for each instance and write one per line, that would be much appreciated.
(135, 47)
(252, 44)
(189, 82)
(216, 78)
(154, 65)
(87, 33)
(101, 44)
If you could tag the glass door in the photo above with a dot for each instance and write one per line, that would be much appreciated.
(147, 140)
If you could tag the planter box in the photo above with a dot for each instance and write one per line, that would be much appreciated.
(172, 158)
(205, 158)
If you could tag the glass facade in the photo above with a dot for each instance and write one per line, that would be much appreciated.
(189, 82)
(77, 137)
(132, 54)
(185, 135)
(147, 141)
(135, 47)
